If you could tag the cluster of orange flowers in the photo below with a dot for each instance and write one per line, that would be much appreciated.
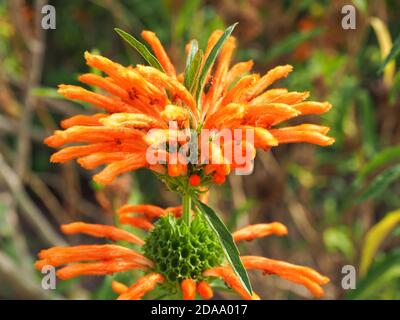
(142, 98)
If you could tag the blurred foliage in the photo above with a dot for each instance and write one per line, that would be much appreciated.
(340, 203)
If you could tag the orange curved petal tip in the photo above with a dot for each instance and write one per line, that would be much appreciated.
(205, 290)
(188, 289)
(142, 286)
(98, 230)
(118, 287)
(260, 230)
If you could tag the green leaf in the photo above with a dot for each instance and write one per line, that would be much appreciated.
(141, 48)
(394, 52)
(211, 59)
(380, 183)
(381, 275)
(381, 158)
(227, 243)
(193, 66)
(374, 238)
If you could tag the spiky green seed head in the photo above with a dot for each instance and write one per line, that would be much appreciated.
(180, 251)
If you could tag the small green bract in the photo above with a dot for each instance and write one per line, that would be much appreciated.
(180, 251)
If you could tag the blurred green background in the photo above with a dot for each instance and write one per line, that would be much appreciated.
(341, 204)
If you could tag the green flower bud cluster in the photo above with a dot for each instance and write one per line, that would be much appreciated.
(181, 251)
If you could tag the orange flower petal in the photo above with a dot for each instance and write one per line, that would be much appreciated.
(97, 268)
(175, 113)
(236, 92)
(96, 159)
(237, 71)
(131, 163)
(150, 211)
(100, 231)
(259, 230)
(103, 64)
(205, 290)
(217, 86)
(270, 114)
(82, 120)
(138, 222)
(314, 288)
(230, 116)
(139, 90)
(69, 153)
(312, 107)
(131, 120)
(176, 211)
(292, 97)
(159, 52)
(298, 274)
(93, 135)
(212, 40)
(161, 79)
(268, 96)
(227, 274)
(263, 138)
(142, 286)
(118, 287)
(265, 81)
(302, 134)
(57, 256)
(105, 84)
(188, 289)
(109, 104)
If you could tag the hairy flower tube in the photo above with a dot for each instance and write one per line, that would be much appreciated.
(192, 129)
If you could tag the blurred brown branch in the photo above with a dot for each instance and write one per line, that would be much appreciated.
(23, 286)
(28, 209)
(36, 46)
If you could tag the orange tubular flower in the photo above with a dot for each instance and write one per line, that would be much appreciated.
(151, 117)
(119, 287)
(143, 285)
(205, 290)
(188, 289)
(259, 231)
(97, 230)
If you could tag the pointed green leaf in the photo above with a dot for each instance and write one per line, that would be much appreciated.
(380, 159)
(211, 59)
(141, 48)
(227, 243)
(193, 65)
(380, 183)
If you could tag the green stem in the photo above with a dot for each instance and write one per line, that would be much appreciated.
(186, 207)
